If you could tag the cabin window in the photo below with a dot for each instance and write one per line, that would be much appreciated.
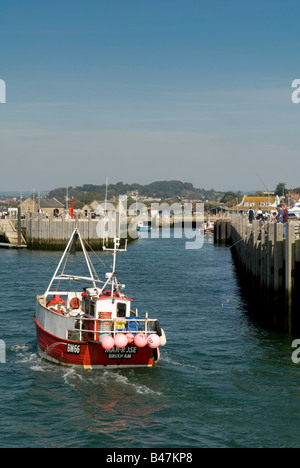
(121, 309)
(92, 309)
(89, 307)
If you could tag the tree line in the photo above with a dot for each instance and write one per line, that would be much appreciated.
(173, 189)
(164, 190)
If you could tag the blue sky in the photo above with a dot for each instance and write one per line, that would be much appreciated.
(141, 91)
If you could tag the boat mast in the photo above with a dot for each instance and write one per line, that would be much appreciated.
(87, 259)
(59, 265)
(66, 252)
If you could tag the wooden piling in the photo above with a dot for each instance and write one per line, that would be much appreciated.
(268, 267)
(289, 267)
(222, 231)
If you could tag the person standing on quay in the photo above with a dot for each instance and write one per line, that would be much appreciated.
(273, 217)
(283, 217)
(280, 214)
(251, 216)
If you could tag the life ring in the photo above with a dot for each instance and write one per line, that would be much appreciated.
(75, 303)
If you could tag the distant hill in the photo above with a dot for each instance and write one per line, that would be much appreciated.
(161, 189)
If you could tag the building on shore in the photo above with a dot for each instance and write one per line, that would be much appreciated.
(49, 206)
(255, 203)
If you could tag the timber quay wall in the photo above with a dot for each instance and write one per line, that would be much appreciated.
(38, 232)
(54, 233)
(268, 267)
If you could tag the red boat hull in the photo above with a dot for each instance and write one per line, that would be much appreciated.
(90, 355)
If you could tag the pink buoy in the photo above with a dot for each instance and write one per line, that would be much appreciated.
(108, 342)
(121, 340)
(140, 340)
(130, 338)
(153, 341)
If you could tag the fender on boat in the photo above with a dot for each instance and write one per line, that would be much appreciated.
(163, 339)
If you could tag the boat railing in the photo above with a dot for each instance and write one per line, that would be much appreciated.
(102, 327)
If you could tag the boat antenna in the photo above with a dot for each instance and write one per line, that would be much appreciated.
(105, 195)
(112, 277)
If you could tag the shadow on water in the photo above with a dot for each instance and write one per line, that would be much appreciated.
(260, 311)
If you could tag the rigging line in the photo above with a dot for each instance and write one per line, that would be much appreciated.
(262, 182)
(82, 282)
(260, 228)
(96, 256)
(92, 267)
(65, 264)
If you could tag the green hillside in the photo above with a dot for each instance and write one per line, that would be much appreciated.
(173, 189)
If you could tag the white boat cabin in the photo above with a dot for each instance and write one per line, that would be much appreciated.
(95, 304)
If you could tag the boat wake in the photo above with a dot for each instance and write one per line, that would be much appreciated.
(25, 354)
(108, 379)
(124, 381)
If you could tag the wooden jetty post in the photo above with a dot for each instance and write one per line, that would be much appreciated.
(222, 231)
(289, 270)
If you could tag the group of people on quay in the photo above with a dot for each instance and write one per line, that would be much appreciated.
(281, 215)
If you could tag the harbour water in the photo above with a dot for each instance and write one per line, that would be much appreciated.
(222, 381)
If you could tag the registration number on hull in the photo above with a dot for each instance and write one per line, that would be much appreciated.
(73, 348)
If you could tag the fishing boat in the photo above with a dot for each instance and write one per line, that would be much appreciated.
(209, 228)
(295, 210)
(91, 323)
(144, 227)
